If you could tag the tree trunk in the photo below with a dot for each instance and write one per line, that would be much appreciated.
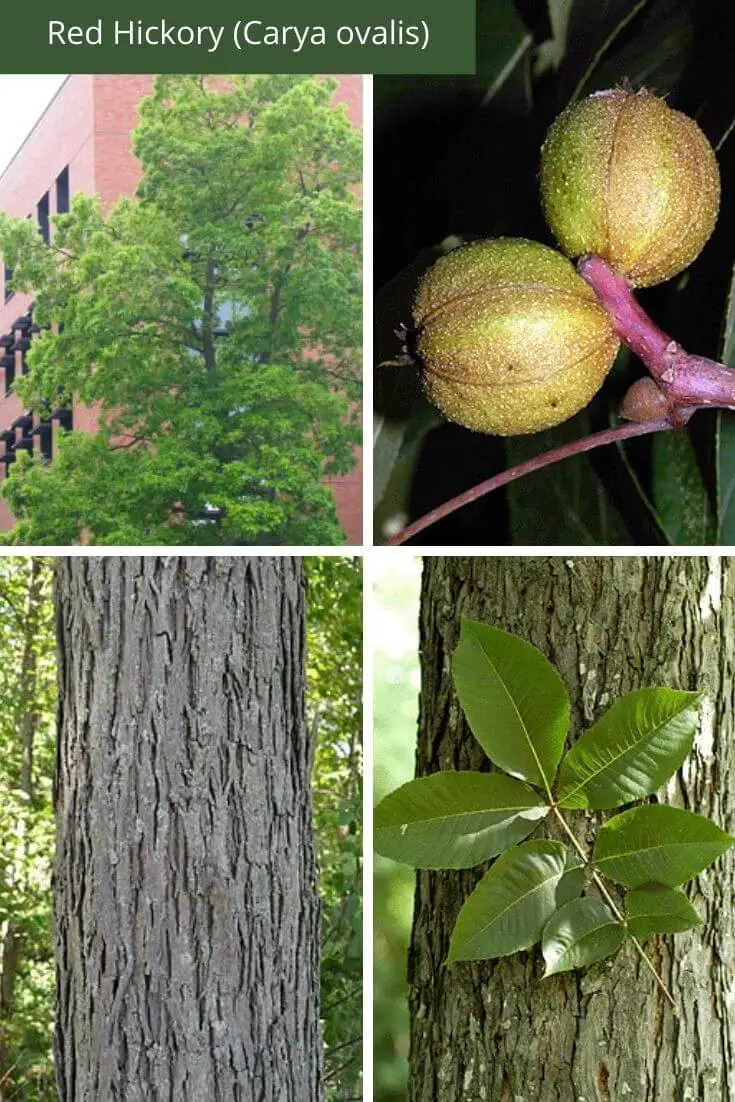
(186, 911)
(494, 1030)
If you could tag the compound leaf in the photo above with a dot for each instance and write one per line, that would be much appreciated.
(455, 820)
(514, 701)
(510, 906)
(631, 751)
(656, 909)
(658, 844)
(580, 933)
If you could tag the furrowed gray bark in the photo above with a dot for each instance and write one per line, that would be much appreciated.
(186, 911)
(495, 1030)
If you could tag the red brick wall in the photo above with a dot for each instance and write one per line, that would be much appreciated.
(87, 126)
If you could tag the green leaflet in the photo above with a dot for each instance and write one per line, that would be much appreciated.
(580, 933)
(631, 751)
(514, 701)
(571, 884)
(455, 820)
(512, 903)
(656, 909)
(657, 844)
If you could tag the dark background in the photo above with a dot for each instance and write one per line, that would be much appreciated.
(458, 156)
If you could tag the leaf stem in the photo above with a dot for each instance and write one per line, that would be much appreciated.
(537, 463)
(684, 379)
(600, 884)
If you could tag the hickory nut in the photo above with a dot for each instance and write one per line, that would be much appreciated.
(627, 178)
(512, 340)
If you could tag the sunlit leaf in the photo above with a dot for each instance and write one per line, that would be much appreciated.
(455, 820)
(512, 903)
(658, 844)
(631, 751)
(514, 701)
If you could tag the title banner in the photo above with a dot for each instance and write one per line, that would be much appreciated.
(251, 36)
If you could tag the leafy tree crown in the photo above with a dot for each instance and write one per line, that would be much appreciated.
(213, 322)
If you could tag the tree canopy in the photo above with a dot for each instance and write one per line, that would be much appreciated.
(213, 321)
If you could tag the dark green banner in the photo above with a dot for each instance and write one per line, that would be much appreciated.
(254, 36)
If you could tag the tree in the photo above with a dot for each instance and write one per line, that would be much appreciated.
(213, 322)
(186, 912)
(494, 1030)
(27, 688)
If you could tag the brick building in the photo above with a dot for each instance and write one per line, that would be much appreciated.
(81, 143)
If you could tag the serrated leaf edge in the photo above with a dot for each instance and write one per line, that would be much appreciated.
(567, 794)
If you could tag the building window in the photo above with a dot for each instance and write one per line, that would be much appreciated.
(6, 283)
(42, 218)
(62, 191)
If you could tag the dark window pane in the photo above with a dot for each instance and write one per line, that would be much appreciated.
(42, 216)
(62, 191)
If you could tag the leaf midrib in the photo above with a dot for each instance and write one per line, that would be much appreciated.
(650, 849)
(464, 815)
(651, 734)
(514, 903)
(518, 714)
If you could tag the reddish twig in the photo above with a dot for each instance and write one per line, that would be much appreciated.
(684, 379)
(686, 382)
(546, 459)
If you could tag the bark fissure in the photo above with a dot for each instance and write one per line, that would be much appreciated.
(186, 914)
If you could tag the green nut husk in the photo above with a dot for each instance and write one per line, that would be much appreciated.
(627, 178)
(511, 339)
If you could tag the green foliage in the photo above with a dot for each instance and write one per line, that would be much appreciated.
(213, 323)
(511, 696)
(634, 748)
(468, 150)
(514, 700)
(456, 820)
(656, 844)
(27, 690)
(510, 906)
(655, 908)
(334, 700)
(580, 933)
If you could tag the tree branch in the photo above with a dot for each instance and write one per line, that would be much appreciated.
(685, 380)
(208, 321)
(537, 463)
